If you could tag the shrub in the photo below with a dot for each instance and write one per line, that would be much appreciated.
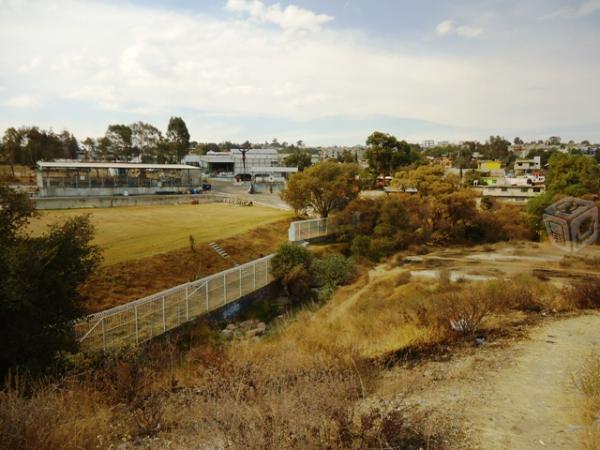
(585, 294)
(332, 271)
(289, 256)
(291, 265)
(361, 246)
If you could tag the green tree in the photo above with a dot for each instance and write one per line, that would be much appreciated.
(179, 137)
(331, 272)
(146, 139)
(39, 280)
(119, 139)
(11, 146)
(70, 146)
(428, 180)
(298, 158)
(291, 266)
(386, 154)
(573, 175)
(497, 148)
(323, 187)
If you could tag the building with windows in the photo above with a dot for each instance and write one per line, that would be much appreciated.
(236, 162)
(512, 189)
(528, 166)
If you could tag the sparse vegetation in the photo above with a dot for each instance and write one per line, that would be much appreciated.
(589, 383)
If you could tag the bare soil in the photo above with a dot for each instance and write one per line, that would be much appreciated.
(518, 390)
(508, 394)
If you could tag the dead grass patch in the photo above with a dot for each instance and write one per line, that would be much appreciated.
(124, 282)
(589, 383)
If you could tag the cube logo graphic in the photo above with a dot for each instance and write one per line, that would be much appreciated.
(572, 223)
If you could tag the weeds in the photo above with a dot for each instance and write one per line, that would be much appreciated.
(589, 383)
(585, 294)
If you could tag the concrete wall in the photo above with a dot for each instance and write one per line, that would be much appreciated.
(267, 188)
(44, 203)
(54, 191)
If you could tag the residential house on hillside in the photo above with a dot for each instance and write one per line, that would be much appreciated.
(528, 166)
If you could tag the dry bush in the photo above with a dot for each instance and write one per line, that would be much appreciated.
(444, 276)
(585, 294)
(289, 400)
(589, 383)
(52, 417)
(378, 430)
(463, 312)
(464, 309)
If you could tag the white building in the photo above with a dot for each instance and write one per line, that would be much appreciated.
(230, 164)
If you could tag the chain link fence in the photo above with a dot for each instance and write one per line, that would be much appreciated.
(141, 320)
(303, 230)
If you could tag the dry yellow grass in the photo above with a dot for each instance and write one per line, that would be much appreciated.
(135, 232)
(590, 385)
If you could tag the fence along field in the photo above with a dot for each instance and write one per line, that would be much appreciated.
(141, 320)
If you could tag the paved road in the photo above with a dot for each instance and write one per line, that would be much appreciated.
(241, 190)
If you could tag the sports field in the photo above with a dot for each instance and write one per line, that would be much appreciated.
(135, 232)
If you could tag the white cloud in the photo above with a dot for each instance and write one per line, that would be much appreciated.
(23, 102)
(588, 7)
(570, 12)
(123, 62)
(290, 18)
(449, 27)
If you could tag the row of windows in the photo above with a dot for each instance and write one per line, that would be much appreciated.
(524, 189)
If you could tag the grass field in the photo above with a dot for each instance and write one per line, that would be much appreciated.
(136, 232)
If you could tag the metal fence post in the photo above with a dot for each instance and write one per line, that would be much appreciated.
(266, 272)
(103, 335)
(137, 327)
(240, 281)
(163, 314)
(187, 303)
(206, 293)
(224, 288)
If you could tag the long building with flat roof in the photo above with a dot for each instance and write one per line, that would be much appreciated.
(76, 179)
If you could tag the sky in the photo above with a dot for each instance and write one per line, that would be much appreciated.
(326, 72)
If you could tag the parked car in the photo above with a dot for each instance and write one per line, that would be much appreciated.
(243, 177)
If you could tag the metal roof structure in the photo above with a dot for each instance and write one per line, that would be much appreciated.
(277, 169)
(117, 165)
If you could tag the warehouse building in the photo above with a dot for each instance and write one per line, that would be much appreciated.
(73, 179)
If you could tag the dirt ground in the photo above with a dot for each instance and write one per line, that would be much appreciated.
(517, 393)
(517, 390)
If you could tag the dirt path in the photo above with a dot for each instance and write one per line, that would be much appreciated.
(520, 396)
(534, 402)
